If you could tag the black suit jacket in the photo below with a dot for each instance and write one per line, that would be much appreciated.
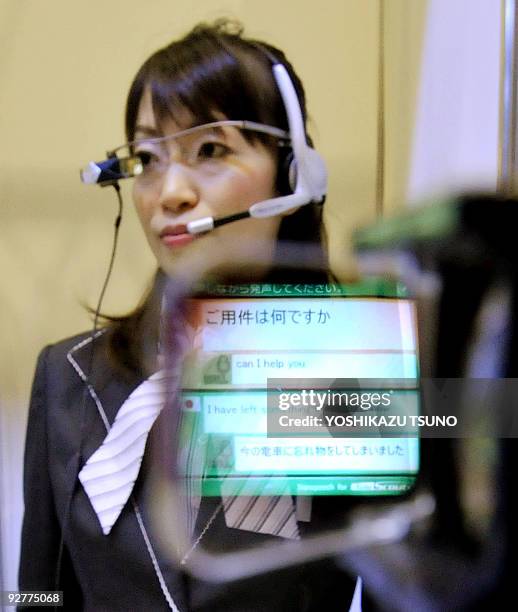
(115, 572)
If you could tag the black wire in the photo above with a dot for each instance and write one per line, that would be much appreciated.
(231, 218)
(117, 223)
(78, 462)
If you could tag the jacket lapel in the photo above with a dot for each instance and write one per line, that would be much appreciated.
(107, 391)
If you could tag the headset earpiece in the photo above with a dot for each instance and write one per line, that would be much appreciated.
(287, 171)
(292, 172)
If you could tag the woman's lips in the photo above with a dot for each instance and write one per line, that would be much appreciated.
(176, 240)
(176, 236)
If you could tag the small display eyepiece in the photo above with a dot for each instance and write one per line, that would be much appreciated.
(111, 170)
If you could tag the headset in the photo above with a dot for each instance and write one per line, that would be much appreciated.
(305, 168)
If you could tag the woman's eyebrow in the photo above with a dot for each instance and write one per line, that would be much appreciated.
(146, 130)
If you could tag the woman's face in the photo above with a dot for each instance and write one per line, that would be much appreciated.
(208, 174)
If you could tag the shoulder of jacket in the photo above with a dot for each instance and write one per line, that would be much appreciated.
(63, 351)
(75, 343)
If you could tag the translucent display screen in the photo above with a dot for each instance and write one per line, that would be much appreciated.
(244, 338)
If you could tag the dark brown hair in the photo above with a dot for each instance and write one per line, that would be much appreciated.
(211, 72)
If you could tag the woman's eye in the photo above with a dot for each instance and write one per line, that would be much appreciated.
(146, 158)
(212, 150)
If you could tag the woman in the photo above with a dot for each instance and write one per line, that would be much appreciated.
(212, 74)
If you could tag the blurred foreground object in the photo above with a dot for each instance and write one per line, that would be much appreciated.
(195, 461)
(458, 258)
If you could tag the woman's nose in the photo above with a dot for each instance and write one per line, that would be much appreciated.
(179, 192)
